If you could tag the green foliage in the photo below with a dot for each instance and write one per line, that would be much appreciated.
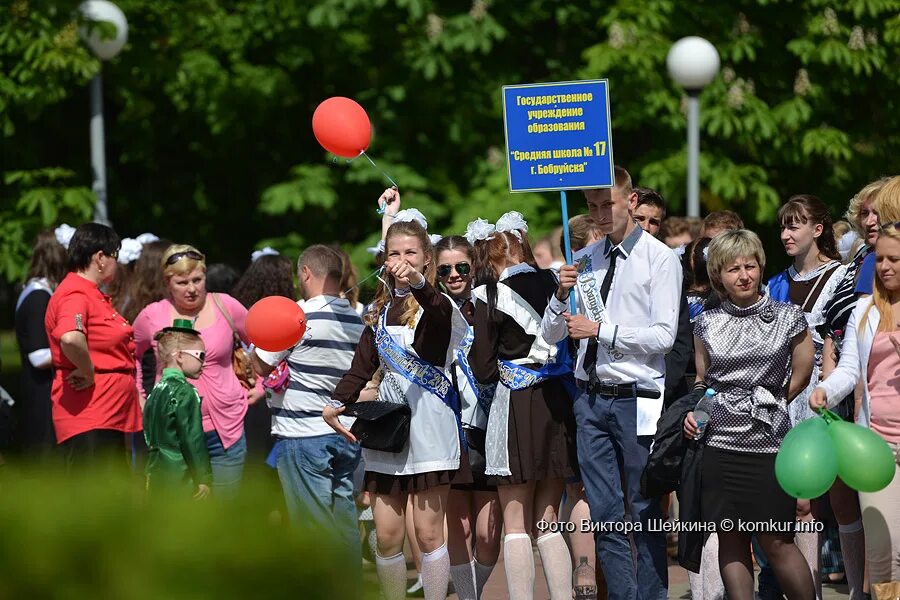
(209, 105)
(95, 535)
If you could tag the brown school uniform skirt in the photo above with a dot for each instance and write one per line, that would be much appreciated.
(541, 438)
(386, 484)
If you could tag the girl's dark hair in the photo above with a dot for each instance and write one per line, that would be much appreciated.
(267, 276)
(147, 284)
(48, 259)
(89, 239)
(502, 247)
(221, 277)
(453, 242)
(806, 208)
(693, 265)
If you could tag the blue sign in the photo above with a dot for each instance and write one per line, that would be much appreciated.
(558, 136)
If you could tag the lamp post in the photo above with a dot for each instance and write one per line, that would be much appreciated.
(104, 47)
(693, 63)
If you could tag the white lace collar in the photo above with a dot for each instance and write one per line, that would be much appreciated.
(793, 274)
(515, 270)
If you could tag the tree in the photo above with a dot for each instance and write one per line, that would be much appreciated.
(209, 107)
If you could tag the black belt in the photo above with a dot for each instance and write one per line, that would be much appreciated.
(618, 390)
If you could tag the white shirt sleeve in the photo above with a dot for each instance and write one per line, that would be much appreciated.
(553, 324)
(272, 358)
(659, 336)
(843, 379)
(40, 359)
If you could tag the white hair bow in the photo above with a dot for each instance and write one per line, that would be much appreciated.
(846, 243)
(514, 222)
(679, 251)
(147, 238)
(376, 249)
(706, 253)
(64, 234)
(267, 251)
(129, 251)
(479, 230)
(411, 214)
(435, 238)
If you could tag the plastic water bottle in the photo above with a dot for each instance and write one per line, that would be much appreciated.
(584, 581)
(703, 410)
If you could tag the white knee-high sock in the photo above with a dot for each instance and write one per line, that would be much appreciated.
(853, 550)
(518, 560)
(810, 546)
(463, 577)
(392, 576)
(436, 573)
(482, 574)
(557, 565)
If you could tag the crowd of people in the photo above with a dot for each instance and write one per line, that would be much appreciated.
(492, 390)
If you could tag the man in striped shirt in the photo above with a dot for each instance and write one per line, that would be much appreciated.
(316, 465)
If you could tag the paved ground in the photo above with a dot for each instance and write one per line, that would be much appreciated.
(678, 584)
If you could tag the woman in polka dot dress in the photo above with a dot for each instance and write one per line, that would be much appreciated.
(757, 355)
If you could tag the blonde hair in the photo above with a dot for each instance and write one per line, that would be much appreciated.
(383, 296)
(887, 201)
(726, 248)
(185, 263)
(169, 342)
(881, 296)
(861, 197)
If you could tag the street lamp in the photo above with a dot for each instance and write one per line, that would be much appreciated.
(105, 47)
(693, 63)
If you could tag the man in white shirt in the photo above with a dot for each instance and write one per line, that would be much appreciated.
(630, 287)
(315, 464)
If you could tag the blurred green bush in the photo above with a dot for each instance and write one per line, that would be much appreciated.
(98, 535)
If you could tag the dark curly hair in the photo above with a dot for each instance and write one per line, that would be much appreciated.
(271, 275)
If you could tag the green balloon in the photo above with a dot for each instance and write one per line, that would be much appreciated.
(806, 464)
(865, 461)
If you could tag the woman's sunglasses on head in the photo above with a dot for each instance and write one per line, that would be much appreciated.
(192, 254)
(462, 268)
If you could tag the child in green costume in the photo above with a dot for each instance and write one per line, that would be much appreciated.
(173, 426)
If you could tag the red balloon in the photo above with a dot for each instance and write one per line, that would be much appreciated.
(342, 127)
(275, 323)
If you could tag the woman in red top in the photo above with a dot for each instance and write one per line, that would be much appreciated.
(94, 394)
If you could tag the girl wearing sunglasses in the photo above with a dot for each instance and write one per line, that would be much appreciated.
(473, 512)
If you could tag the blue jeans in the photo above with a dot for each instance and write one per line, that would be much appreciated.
(227, 465)
(316, 475)
(607, 438)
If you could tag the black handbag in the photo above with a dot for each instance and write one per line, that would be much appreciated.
(380, 425)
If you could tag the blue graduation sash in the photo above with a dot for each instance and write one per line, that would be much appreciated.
(483, 393)
(517, 377)
(418, 371)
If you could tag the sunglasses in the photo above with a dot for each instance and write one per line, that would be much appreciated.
(192, 254)
(462, 268)
(113, 255)
(198, 354)
(895, 225)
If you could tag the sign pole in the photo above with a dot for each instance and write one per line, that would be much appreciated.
(567, 242)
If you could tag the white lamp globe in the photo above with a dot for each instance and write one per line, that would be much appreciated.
(104, 11)
(693, 62)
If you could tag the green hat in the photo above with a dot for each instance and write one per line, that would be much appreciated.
(182, 326)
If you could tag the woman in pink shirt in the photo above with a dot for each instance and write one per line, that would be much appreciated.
(871, 352)
(224, 399)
